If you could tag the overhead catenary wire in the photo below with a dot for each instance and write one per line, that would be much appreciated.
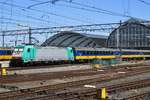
(8, 22)
(39, 3)
(88, 27)
(75, 7)
(47, 12)
(16, 21)
(1, 21)
(81, 8)
(32, 17)
(96, 9)
(68, 6)
(144, 2)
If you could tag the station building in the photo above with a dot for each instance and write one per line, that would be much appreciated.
(132, 34)
(73, 39)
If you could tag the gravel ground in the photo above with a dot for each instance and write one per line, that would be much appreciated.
(23, 85)
(121, 95)
(126, 79)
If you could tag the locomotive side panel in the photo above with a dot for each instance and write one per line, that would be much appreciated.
(51, 54)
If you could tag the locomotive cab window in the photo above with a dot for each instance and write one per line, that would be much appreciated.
(28, 50)
(16, 50)
(20, 50)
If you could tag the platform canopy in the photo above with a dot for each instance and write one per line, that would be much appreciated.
(73, 39)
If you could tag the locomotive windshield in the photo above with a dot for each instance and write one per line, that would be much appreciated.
(17, 52)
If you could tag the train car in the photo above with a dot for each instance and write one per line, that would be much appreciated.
(5, 54)
(106, 53)
(95, 53)
(28, 54)
(135, 54)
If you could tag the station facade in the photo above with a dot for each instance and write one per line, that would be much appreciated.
(132, 34)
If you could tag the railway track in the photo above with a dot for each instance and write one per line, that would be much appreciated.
(14, 95)
(54, 75)
(139, 97)
(46, 76)
(62, 74)
(85, 94)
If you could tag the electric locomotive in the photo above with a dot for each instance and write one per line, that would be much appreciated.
(30, 54)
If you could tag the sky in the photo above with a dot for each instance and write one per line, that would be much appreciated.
(20, 14)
